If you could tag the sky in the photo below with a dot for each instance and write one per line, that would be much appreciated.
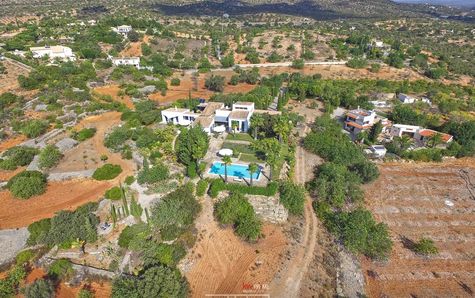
(470, 3)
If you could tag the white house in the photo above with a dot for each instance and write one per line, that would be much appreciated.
(53, 52)
(123, 29)
(418, 134)
(377, 151)
(134, 61)
(406, 99)
(214, 114)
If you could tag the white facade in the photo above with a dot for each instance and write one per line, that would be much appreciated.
(378, 151)
(418, 134)
(133, 61)
(359, 120)
(214, 114)
(53, 52)
(406, 99)
(123, 29)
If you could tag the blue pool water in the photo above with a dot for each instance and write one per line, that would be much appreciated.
(234, 170)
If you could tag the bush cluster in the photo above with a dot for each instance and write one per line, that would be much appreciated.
(107, 172)
(237, 211)
(114, 193)
(156, 173)
(27, 184)
(201, 187)
(49, 157)
(218, 185)
(84, 134)
(292, 196)
(18, 156)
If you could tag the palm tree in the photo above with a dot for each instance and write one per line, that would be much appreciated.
(226, 162)
(282, 128)
(435, 140)
(252, 168)
(404, 142)
(257, 121)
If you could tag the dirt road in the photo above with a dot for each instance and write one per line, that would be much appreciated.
(289, 283)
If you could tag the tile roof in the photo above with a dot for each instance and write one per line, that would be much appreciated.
(239, 114)
(427, 133)
(204, 121)
(211, 107)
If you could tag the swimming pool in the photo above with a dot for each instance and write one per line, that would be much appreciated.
(234, 170)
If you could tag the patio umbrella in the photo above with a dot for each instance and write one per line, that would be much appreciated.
(225, 152)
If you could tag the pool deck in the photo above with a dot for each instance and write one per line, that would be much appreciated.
(215, 144)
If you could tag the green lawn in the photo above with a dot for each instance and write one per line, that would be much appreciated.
(239, 137)
(278, 167)
(239, 148)
(250, 158)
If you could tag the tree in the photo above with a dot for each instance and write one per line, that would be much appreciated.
(49, 157)
(234, 126)
(298, 64)
(282, 127)
(192, 145)
(376, 129)
(257, 121)
(252, 168)
(133, 36)
(271, 150)
(215, 83)
(434, 140)
(226, 161)
(40, 288)
(228, 61)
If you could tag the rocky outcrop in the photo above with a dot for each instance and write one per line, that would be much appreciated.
(269, 208)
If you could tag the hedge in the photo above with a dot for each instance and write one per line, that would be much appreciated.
(218, 185)
(27, 184)
(201, 187)
(107, 172)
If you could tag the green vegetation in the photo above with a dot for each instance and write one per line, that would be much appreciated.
(40, 288)
(17, 156)
(156, 173)
(201, 187)
(84, 134)
(130, 232)
(337, 188)
(425, 246)
(218, 185)
(215, 83)
(27, 184)
(292, 196)
(176, 212)
(60, 269)
(33, 128)
(114, 193)
(235, 210)
(107, 172)
(49, 157)
(24, 257)
(9, 285)
(191, 145)
(66, 227)
(158, 281)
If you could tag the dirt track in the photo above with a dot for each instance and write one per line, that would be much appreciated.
(412, 200)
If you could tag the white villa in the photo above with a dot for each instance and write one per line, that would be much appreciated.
(213, 115)
(123, 29)
(134, 61)
(360, 119)
(406, 99)
(53, 52)
(418, 134)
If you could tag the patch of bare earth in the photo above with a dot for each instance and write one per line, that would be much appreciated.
(113, 91)
(430, 200)
(221, 263)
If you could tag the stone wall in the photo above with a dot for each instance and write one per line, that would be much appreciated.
(269, 208)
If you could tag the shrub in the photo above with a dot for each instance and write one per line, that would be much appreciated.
(114, 193)
(157, 281)
(175, 82)
(130, 232)
(215, 83)
(84, 134)
(85, 293)
(38, 231)
(292, 196)
(175, 212)
(154, 174)
(367, 170)
(49, 157)
(18, 156)
(27, 184)
(107, 172)
(298, 64)
(425, 246)
(34, 128)
(201, 187)
(117, 138)
(9, 285)
(24, 257)
(40, 288)
(129, 180)
(237, 211)
(60, 269)
(218, 185)
(170, 254)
